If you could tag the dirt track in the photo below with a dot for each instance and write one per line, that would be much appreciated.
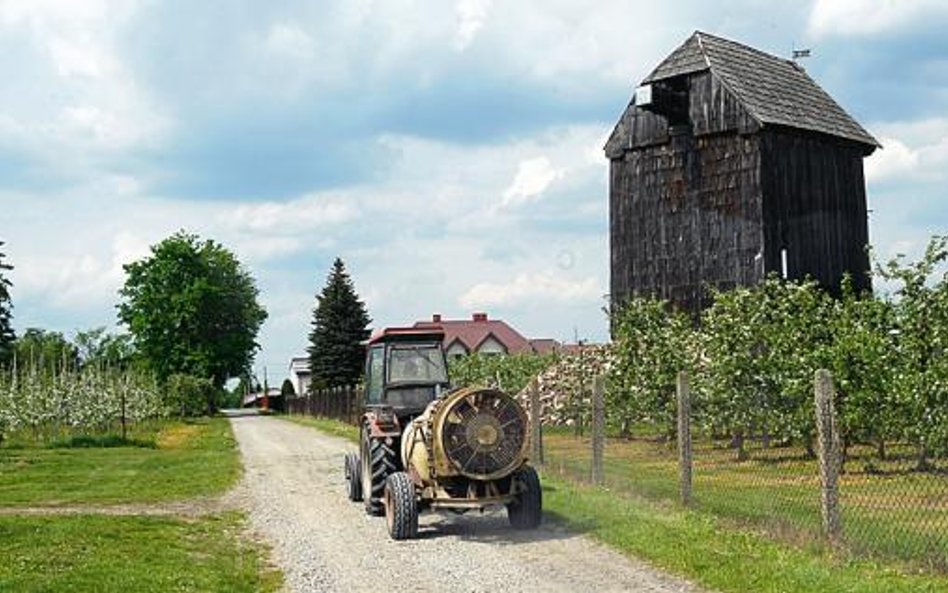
(293, 489)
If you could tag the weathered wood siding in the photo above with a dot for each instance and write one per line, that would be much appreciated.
(715, 202)
(714, 109)
(636, 129)
(814, 207)
(685, 215)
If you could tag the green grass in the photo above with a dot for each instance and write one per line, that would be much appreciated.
(698, 547)
(170, 460)
(331, 427)
(902, 516)
(99, 554)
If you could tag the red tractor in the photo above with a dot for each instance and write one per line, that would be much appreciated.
(426, 446)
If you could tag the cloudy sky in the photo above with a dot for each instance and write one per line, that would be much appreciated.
(449, 152)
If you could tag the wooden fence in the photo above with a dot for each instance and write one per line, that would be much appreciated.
(338, 403)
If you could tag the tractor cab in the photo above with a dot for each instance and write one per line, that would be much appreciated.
(405, 370)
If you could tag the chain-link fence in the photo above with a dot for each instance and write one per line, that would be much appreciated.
(888, 502)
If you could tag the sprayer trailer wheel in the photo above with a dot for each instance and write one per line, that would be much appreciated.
(526, 511)
(401, 509)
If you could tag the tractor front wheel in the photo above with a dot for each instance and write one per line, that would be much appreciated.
(526, 511)
(378, 462)
(353, 469)
(401, 508)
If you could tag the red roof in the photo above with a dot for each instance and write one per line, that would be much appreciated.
(432, 332)
(472, 333)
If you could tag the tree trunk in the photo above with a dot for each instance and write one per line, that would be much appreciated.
(737, 441)
(810, 451)
(924, 464)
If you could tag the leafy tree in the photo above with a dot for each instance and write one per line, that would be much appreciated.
(99, 348)
(734, 377)
(45, 351)
(192, 309)
(287, 389)
(651, 345)
(7, 337)
(921, 378)
(340, 324)
(511, 373)
(800, 339)
(186, 395)
(862, 358)
(761, 347)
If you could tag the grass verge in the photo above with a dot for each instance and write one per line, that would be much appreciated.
(698, 547)
(897, 516)
(169, 460)
(94, 553)
(330, 427)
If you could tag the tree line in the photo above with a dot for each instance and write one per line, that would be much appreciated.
(753, 353)
(192, 314)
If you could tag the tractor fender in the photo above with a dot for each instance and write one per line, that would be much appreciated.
(381, 425)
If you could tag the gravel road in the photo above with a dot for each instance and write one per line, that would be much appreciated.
(293, 489)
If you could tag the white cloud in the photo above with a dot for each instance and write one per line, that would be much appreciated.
(76, 281)
(37, 12)
(295, 216)
(79, 100)
(895, 160)
(913, 151)
(81, 57)
(533, 177)
(867, 17)
(531, 288)
(471, 17)
(287, 39)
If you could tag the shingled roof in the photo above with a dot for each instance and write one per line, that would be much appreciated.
(774, 91)
(472, 333)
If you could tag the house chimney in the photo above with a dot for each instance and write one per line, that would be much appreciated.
(436, 318)
(480, 317)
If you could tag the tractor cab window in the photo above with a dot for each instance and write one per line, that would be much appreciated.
(374, 375)
(416, 364)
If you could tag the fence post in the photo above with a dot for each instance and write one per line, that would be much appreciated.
(828, 445)
(536, 424)
(598, 429)
(683, 388)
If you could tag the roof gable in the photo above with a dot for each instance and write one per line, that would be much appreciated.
(471, 334)
(487, 339)
(772, 90)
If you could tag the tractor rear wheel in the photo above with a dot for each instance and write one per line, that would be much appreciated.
(526, 511)
(378, 461)
(353, 477)
(401, 508)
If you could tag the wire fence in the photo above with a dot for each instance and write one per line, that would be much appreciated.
(869, 500)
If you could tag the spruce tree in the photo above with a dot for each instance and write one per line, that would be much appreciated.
(7, 337)
(340, 325)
